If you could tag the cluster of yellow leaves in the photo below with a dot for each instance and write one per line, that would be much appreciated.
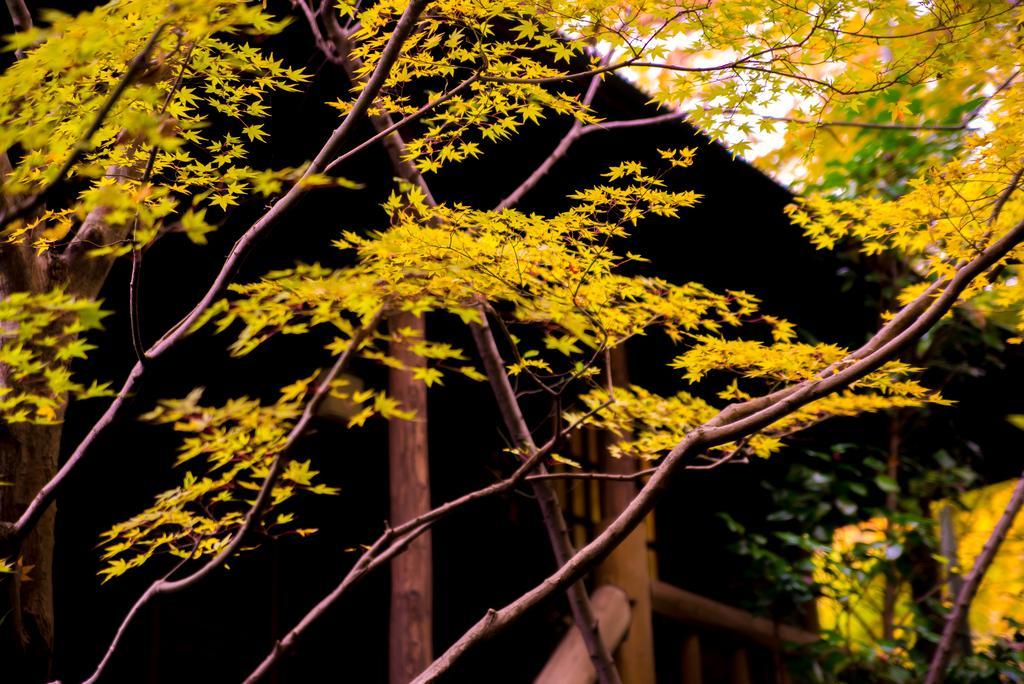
(560, 271)
(39, 335)
(964, 52)
(950, 213)
(150, 165)
(791, 362)
(238, 442)
(649, 425)
(454, 40)
(745, 69)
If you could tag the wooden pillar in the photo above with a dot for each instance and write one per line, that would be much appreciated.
(410, 638)
(627, 567)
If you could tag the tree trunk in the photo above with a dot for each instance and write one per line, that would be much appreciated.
(410, 636)
(28, 459)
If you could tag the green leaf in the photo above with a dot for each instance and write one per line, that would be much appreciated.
(887, 484)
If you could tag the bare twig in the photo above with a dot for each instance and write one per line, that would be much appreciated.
(21, 18)
(134, 282)
(613, 477)
(634, 123)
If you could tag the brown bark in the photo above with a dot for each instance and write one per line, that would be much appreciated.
(410, 637)
(28, 459)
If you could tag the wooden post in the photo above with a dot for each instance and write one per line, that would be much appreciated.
(410, 636)
(692, 669)
(740, 667)
(570, 663)
(627, 567)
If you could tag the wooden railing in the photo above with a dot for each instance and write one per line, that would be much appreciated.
(569, 663)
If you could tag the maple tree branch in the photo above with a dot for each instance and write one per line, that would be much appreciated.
(554, 522)
(707, 436)
(21, 19)
(166, 585)
(134, 282)
(940, 660)
(729, 457)
(560, 151)
(20, 16)
(135, 66)
(634, 123)
(965, 122)
(636, 475)
(1005, 195)
(404, 121)
(393, 541)
(951, 128)
(12, 534)
(613, 477)
(746, 63)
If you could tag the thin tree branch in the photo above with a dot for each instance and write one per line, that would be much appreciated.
(166, 585)
(705, 437)
(633, 123)
(1005, 195)
(636, 475)
(950, 128)
(560, 151)
(554, 522)
(613, 477)
(405, 121)
(394, 540)
(134, 282)
(21, 18)
(937, 668)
